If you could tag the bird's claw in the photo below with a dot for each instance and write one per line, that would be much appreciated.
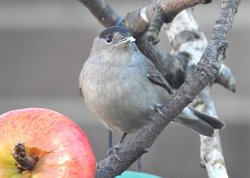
(157, 108)
(114, 150)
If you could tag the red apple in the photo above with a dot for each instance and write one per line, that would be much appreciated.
(56, 145)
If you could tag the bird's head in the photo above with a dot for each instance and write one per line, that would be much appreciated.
(115, 37)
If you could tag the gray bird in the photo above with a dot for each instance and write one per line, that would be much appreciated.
(121, 86)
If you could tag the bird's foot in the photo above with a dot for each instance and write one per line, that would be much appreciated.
(114, 149)
(157, 108)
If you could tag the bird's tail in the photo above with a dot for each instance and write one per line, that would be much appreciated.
(199, 122)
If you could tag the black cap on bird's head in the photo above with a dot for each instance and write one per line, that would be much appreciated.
(117, 36)
(115, 29)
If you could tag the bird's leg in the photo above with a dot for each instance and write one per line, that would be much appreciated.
(139, 167)
(123, 138)
(110, 139)
(115, 148)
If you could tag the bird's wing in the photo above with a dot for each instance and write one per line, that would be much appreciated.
(156, 77)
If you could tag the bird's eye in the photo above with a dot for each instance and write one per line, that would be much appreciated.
(109, 39)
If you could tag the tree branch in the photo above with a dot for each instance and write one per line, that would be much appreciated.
(211, 151)
(205, 72)
(188, 38)
(139, 20)
(102, 11)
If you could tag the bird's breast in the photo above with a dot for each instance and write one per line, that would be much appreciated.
(120, 97)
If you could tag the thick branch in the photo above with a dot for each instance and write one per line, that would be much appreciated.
(102, 11)
(194, 43)
(206, 71)
(211, 151)
(139, 20)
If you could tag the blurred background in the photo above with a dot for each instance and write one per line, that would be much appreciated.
(43, 44)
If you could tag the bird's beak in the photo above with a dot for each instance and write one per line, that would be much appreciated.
(126, 40)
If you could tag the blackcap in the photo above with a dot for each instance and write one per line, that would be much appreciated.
(120, 86)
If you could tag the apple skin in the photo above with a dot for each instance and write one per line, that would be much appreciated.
(62, 148)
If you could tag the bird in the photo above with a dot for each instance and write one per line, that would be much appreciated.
(121, 86)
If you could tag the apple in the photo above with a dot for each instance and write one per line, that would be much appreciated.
(41, 143)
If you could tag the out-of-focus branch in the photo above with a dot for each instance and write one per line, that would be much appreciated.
(186, 36)
(205, 72)
(210, 150)
(104, 13)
